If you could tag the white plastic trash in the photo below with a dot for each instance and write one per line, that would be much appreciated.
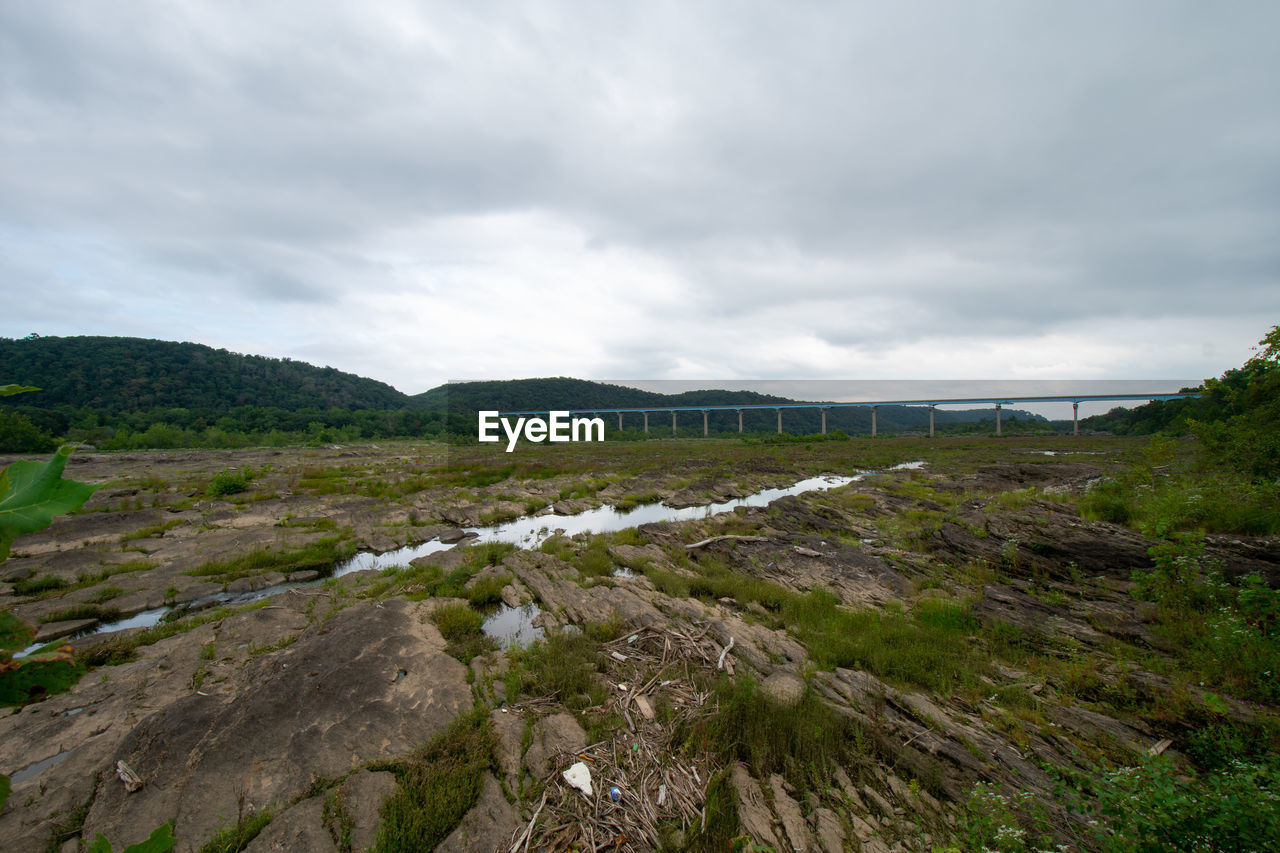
(579, 776)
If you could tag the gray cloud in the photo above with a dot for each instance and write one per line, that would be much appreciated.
(817, 188)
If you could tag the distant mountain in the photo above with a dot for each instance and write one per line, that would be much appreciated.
(113, 374)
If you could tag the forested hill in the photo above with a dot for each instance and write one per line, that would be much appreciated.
(510, 395)
(112, 374)
(464, 399)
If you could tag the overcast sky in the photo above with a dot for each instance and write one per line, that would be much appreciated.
(419, 192)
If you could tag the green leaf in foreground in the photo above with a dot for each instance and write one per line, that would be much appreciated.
(32, 493)
(160, 841)
(10, 390)
(14, 633)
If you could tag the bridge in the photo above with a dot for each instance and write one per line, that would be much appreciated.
(998, 402)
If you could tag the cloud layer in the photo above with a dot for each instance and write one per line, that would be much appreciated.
(418, 192)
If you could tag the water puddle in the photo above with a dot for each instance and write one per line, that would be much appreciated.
(514, 626)
(525, 532)
(35, 769)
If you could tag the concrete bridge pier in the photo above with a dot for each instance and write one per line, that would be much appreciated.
(997, 420)
(646, 423)
(704, 423)
(824, 421)
(619, 421)
(739, 420)
(673, 423)
(779, 421)
(873, 420)
(931, 422)
(1075, 418)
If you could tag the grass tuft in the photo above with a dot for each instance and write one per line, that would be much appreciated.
(437, 785)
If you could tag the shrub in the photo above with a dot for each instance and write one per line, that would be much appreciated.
(230, 482)
(1154, 807)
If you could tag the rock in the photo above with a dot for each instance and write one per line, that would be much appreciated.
(299, 827)
(878, 802)
(847, 787)
(489, 825)
(451, 535)
(304, 576)
(753, 811)
(784, 687)
(362, 796)
(788, 811)
(54, 630)
(321, 707)
(555, 738)
(863, 830)
(829, 830)
(18, 573)
(510, 730)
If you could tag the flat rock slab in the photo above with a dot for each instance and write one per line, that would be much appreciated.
(54, 630)
(299, 827)
(753, 809)
(554, 738)
(361, 797)
(489, 825)
(325, 705)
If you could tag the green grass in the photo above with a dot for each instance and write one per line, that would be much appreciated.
(928, 647)
(81, 611)
(629, 502)
(456, 620)
(321, 554)
(235, 838)
(804, 742)
(488, 554)
(38, 585)
(461, 628)
(564, 664)
(150, 530)
(105, 594)
(594, 560)
(437, 785)
(1187, 500)
(487, 590)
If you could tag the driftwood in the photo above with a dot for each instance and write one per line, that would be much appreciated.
(722, 538)
(651, 674)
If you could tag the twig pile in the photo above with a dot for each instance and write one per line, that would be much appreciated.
(653, 784)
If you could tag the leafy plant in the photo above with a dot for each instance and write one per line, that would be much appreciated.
(161, 840)
(1154, 807)
(32, 493)
(230, 482)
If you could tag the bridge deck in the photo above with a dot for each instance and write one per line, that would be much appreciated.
(967, 401)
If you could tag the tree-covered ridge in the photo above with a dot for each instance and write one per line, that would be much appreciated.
(1235, 416)
(114, 375)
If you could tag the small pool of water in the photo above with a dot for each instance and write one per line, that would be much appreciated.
(514, 626)
(35, 769)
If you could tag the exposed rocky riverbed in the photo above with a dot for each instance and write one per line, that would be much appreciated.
(300, 705)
